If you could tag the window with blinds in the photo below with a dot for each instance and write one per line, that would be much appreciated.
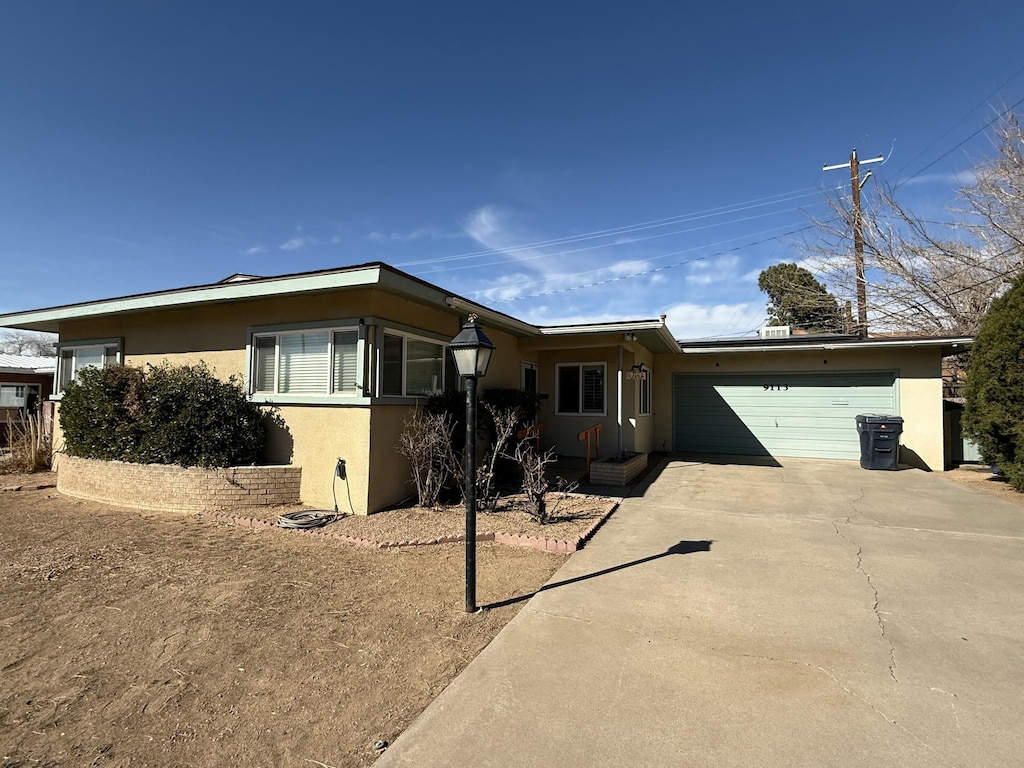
(12, 395)
(314, 362)
(580, 388)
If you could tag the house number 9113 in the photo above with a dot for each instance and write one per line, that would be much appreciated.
(776, 387)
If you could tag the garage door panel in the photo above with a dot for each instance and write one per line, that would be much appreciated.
(777, 414)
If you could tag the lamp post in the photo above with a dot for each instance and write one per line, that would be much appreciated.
(472, 352)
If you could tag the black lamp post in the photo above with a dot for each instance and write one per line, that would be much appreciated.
(472, 352)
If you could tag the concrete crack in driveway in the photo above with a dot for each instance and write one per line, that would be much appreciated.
(874, 606)
(829, 674)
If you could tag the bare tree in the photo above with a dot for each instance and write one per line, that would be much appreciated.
(928, 277)
(28, 343)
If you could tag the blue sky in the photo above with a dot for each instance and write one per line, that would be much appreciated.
(480, 146)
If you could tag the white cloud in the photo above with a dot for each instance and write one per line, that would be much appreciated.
(294, 243)
(423, 233)
(958, 179)
(716, 270)
(697, 321)
(256, 249)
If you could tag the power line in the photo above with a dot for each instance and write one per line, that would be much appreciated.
(641, 273)
(960, 144)
(775, 199)
(971, 111)
(548, 255)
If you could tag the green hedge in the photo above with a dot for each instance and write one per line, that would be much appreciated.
(994, 414)
(161, 415)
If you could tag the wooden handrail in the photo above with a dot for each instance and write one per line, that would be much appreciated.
(586, 434)
(533, 431)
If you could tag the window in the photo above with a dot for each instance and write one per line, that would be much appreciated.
(643, 389)
(580, 388)
(411, 366)
(323, 361)
(530, 377)
(19, 395)
(73, 358)
(13, 395)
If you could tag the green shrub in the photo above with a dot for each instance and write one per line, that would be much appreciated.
(994, 413)
(162, 415)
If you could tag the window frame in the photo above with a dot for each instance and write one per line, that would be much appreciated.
(644, 389)
(527, 366)
(603, 365)
(407, 336)
(75, 346)
(328, 395)
(15, 384)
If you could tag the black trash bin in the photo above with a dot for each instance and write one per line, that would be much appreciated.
(879, 440)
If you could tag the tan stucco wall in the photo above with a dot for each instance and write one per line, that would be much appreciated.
(316, 436)
(321, 435)
(563, 430)
(919, 388)
(390, 476)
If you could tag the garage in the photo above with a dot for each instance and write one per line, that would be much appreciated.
(777, 414)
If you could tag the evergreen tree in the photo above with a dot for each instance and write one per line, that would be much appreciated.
(994, 414)
(796, 298)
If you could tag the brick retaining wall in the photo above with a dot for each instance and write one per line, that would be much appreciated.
(172, 488)
(608, 472)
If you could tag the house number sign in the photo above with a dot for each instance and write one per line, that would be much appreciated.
(776, 387)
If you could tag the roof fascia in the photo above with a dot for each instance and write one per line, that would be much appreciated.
(493, 317)
(47, 319)
(952, 343)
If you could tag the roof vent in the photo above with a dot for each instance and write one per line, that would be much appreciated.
(775, 331)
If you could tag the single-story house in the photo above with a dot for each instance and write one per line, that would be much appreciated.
(346, 353)
(25, 382)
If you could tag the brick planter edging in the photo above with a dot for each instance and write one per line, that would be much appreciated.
(171, 488)
(536, 542)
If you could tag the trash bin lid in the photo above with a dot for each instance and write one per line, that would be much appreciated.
(878, 418)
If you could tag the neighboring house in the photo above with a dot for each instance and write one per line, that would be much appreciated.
(25, 382)
(345, 353)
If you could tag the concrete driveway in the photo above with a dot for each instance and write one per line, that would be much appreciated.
(813, 614)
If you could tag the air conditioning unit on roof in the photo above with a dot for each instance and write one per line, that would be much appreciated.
(775, 331)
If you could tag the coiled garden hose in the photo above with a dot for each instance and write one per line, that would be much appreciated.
(305, 519)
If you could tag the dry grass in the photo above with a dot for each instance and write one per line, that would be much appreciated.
(30, 449)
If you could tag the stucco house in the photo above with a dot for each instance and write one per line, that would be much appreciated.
(345, 353)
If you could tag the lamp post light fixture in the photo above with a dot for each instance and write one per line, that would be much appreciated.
(472, 352)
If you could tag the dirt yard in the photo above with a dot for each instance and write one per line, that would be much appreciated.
(980, 478)
(159, 639)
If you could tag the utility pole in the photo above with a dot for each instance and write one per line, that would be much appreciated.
(858, 234)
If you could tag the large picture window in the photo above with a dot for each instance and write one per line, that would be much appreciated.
(323, 361)
(411, 366)
(73, 358)
(580, 388)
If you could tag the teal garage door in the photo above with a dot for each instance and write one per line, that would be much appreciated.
(777, 414)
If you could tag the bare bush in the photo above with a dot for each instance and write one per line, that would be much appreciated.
(506, 423)
(29, 445)
(536, 486)
(426, 442)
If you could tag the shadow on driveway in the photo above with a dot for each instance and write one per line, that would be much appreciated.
(682, 548)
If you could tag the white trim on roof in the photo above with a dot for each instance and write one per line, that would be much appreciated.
(218, 292)
(822, 346)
